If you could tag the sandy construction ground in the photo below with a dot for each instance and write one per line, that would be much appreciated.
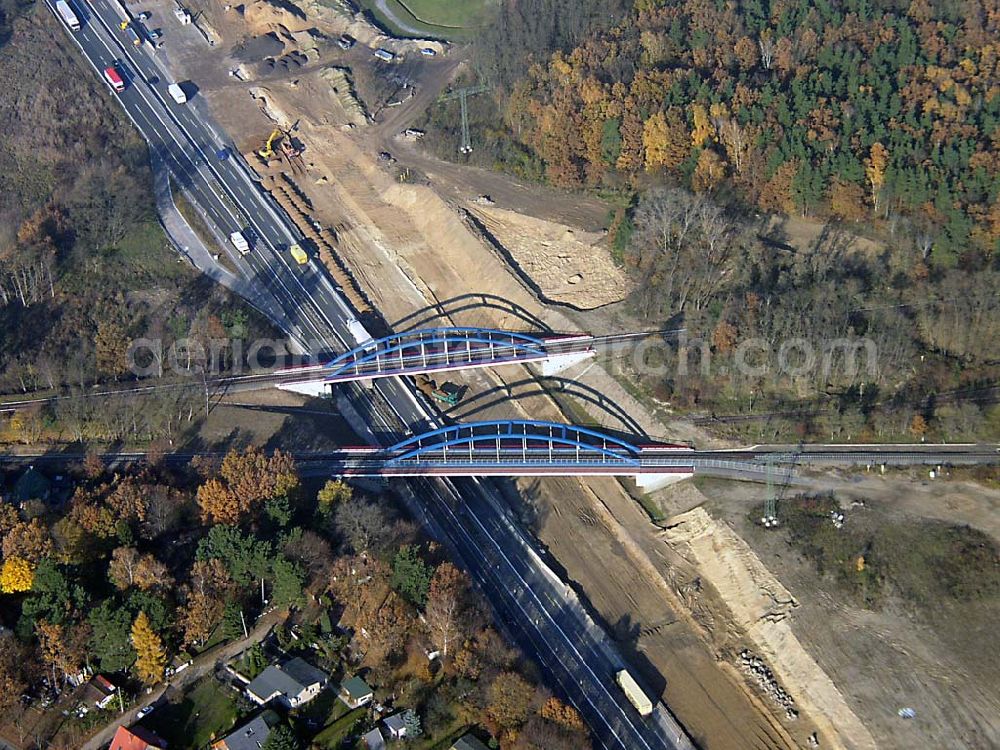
(944, 663)
(567, 266)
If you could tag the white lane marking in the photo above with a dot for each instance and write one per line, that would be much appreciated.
(528, 589)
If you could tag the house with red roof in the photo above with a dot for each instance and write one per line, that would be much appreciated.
(136, 738)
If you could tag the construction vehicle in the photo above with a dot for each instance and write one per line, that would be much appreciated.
(67, 15)
(287, 148)
(430, 389)
(292, 154)
(634, 693)
(268, 150)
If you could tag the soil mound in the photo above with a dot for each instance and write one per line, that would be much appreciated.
(264, 16)
(760, 606)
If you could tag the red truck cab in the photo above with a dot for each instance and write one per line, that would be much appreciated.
(114, 78)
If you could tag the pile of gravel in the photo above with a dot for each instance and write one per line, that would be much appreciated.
(283, 64)
(256, 48)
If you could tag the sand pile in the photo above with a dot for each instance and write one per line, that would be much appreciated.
(567, 265)
(343, 91)
(264, 16)
(266, 103)
(339, 17)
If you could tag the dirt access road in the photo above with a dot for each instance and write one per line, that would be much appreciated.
(461, 183)
(203, 664)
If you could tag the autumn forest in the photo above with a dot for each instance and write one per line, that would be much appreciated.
(706, 123)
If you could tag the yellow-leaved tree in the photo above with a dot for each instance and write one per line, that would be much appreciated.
(16, 575)
(151, 659)
(665, 140)
(875, 167)
(703, 128)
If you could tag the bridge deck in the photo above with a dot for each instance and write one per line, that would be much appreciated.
(443, 349)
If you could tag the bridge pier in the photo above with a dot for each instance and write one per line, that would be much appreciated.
(653, 482)
(558, 362)
(315, 388)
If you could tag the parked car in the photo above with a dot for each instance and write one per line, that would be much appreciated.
(144, 711)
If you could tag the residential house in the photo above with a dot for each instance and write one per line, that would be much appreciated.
(98, 692)
(395, 726)
(136, 738)
(250, 736)
(374, 740)
(355, 692)
(293, 684)
(32, 485)
(468, 742)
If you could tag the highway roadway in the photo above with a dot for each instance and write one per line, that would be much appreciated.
(535, 607)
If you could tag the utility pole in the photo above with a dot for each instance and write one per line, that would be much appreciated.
(462, 95)
(770, 518)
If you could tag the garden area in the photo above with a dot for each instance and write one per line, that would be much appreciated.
(202, 713)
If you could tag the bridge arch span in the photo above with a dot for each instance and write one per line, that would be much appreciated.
(429, 349)
(509, 438)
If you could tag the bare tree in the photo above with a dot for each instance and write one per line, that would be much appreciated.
(362, 524)
(682, 246)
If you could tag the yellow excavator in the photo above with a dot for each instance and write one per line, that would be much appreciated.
(268, 151)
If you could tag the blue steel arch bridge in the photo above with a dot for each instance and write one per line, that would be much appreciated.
(518, 448)
(428, 350)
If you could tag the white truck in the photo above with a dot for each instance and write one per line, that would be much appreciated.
(634, 693)
(358, 331)
(384, 54)
(240, 242)
(67, 15)
(177, 93)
